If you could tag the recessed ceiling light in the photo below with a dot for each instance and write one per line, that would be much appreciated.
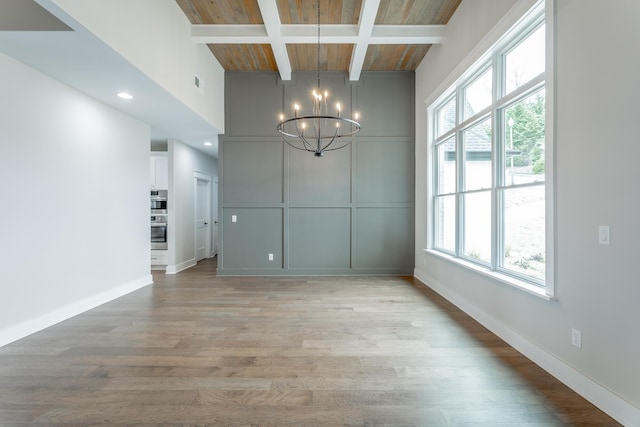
(208, 144)
(125, 95)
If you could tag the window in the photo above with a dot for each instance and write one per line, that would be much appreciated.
(488, 198)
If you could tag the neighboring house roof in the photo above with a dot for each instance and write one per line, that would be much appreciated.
(477, 139)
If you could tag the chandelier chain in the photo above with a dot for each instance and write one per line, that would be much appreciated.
(318, 53)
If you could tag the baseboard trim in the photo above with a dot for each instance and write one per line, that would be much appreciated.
(177, 268)
(285, 272)
(24, 329)
(612, 404)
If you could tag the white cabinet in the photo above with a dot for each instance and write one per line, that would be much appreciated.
(159, 257)
(159, 171)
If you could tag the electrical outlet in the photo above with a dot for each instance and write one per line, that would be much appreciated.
(576, 338)
(270, 257)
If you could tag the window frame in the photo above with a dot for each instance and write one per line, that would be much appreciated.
(495, 59)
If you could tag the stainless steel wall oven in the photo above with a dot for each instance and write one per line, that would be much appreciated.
(158, 232)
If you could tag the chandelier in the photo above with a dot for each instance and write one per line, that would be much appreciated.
(320, 131)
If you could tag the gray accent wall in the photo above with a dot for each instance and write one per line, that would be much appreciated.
(348, 213)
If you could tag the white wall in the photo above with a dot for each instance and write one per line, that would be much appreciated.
(155, 36)
(184, 161)
(597, 150)
(74, 228)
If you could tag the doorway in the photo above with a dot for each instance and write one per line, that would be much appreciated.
(202, 216)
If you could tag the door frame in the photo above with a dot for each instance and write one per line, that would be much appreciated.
(215, 218)
(202, 177)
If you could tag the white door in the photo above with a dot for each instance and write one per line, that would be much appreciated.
(202, 221)
(214, 215)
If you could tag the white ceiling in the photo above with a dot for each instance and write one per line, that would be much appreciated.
(36, 34)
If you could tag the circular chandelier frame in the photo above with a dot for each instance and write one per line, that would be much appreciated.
(317, 142)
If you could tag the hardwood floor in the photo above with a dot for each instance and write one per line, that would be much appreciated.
(195, 349)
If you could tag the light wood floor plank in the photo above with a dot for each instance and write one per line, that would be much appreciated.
(199, 350)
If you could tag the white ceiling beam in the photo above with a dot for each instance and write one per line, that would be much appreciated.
(408, 34)
(229, 34)
(272, 25)
(308, 34)
(366, 22)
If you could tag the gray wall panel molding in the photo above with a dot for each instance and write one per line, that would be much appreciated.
(363, 206)
(380, 100)
(232, 139)
(254, 206)
(318, 207)
(384, 238)
(361, 141)
(302, 272)
(322, 238)
(251, 235)
(253, 172)
(309, 181)
(348, 213)
(247, 99)
(392, 183)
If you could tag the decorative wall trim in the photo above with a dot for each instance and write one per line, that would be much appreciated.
(373, 178)
(24, 329)
(607, 401)
(311, 272)
(177, 268)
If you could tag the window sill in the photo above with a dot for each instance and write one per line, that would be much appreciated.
(502, 278)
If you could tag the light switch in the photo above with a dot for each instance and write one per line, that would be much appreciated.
(234, 218)
(604, 236)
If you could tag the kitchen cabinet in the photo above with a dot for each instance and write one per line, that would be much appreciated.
(159, 257)
(159, 170)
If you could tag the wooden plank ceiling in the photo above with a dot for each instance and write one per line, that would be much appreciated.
(356, 35)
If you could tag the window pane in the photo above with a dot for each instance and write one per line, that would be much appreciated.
(477, 226)
(446, 166)
(446, 117)
(524, 231)
(477, 156)
(445, 227)
(524, 140)
(477, 96)
(526, 60)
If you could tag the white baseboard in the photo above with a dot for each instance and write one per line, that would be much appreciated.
(177, 268)
(612, 404)
(21, 330)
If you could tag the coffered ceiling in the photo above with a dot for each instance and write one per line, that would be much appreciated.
(355, 35)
